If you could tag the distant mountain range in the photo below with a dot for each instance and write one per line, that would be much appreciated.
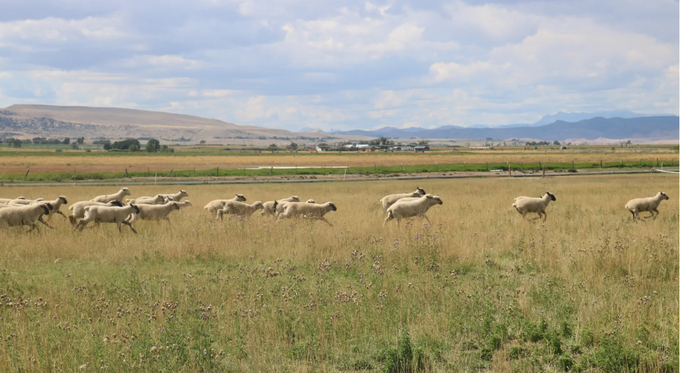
(657, 127)
(27, 121)
(570, 117)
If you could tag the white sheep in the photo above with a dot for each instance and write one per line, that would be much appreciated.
(78, 209)
(638, 205)
(110, 197)
(270, 207)
(524, 205)
(24, 215)
(411, 208)
(108, 214)
(158, 199)
(176, 196)
(154, 212)
(56, 204)
(389, 200)
(306, 210)
(218, 204)
(24, 201)
(280, 206)
(5, 201)
(184, 204)
(239, 208)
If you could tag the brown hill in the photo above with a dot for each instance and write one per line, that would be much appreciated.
(25, 121)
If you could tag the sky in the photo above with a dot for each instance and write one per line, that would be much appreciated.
(339, 65)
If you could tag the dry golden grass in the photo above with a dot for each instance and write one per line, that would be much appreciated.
(256, 295)
(117, 163)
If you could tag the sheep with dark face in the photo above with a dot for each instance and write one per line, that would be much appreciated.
(24, 215)
(175, 196)
(306, 210)
(78, 209)
(638, 205)
(154, 212)
(108, 214)
(270, 207)
(525, 205)
(147, 200)
(56, 204)
(411, 208)
(389, 200)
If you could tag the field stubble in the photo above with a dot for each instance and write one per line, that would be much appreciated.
(480, 290)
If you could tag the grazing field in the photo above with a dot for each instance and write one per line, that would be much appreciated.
(479, 290)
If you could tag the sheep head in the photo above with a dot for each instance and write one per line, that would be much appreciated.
(434, 199)
(420, 191)
(552, 196)
(175, 205)
(332, 206)
(126, 191)
(135, 209)
(663, 195)
(63, 199)
(240, 198)
(46, 211)
(276, 203)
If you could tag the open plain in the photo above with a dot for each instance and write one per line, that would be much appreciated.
(479, 290)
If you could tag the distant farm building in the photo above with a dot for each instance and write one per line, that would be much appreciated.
(421, 148)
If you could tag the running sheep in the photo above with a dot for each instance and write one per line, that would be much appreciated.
(270, 207)
(306, 210)
(638, 205)
(108, 214)
(412, 208)
(389, 200)
(239, 208)
(218, 204)
(78, 209)
(110, 197)
(158, 199)
(154, 212)
(525, 205)
(176, 196)
(56, 204)
(24, 215)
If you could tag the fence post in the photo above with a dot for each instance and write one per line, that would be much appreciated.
(543, 170)
(600, 163)
(540, 165)
(510, 169)
(217, 171)
(26, 175)
(271, 170)
(657, 162)
(126, 173)
(171, 172)
(572, 164)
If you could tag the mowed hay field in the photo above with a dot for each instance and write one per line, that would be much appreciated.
(479, 290)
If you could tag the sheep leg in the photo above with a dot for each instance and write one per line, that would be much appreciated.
(62, 214)
(388, 218)
(40, 219)
(423, 215)
(545, 216)
(323, 219)
(129, 225)
(657, 213)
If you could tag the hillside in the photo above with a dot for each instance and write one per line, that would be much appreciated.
(658, 127)
(114, 123)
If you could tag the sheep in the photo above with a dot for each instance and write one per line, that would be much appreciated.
(524, 204)
(24, 215)
(153, 212)
(110, 197)
(218, 204)
(638, 205)
(239, 208)
(5, 201)
(24, 201)
(280, 206)
(389, 200)
(175, 197)
(270, 207)
(410, 208)
(184, 204)
(307, 211)
(158, 199)
(78, 209)
(56, 204)
(108, 214)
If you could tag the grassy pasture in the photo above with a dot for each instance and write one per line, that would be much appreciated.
(479, 290)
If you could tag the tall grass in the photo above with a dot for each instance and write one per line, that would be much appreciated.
(479, 290)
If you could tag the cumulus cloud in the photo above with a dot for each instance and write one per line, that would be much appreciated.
(344, 65)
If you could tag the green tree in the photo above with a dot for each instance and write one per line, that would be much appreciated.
(152, 146)
(556, 143)
(273, 148)
(74, 146)
(81, 140)
(292, 146)
(134, 148)
(107, 146)
(66, 141)
(202, 142)
(16, 143)
(423, 142)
